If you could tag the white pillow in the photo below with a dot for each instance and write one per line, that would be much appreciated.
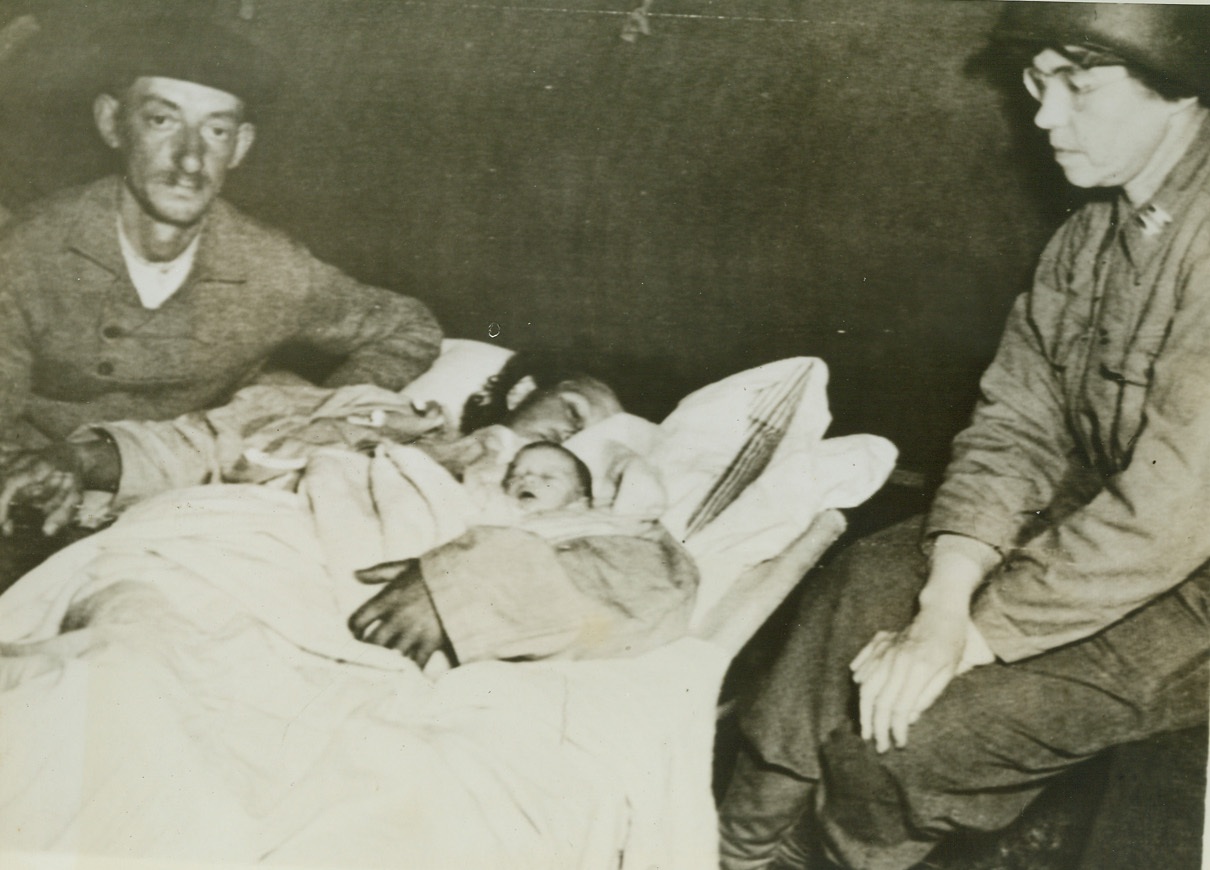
(622, 479)
(462, 368)
(746, 468)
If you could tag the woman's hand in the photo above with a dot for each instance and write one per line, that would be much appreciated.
(901, 674)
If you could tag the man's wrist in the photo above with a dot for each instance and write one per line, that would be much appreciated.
(97, 461)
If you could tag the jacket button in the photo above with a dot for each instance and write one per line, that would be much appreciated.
(113, 331)
(105, 369)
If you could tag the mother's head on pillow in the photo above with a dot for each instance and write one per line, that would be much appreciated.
(540, 400)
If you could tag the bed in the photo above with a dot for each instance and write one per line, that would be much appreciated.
(182, 686)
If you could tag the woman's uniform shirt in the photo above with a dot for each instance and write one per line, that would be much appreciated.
(1087, 462)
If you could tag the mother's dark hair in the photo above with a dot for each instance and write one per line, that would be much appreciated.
(490, 405)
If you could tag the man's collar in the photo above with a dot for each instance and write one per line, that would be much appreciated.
(220, 257)
(92, 234)
(222, 253)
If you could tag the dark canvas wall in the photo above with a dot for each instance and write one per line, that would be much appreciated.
(754, 180)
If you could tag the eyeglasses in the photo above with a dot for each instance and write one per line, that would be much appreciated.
(1076, 81)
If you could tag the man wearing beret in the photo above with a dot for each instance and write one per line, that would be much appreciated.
(1060, 605)
(145, 295)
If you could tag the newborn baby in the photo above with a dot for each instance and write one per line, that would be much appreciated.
(542, 480)
(540, 566)
(545, 476)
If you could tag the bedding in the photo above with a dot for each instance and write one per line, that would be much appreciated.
(739, 468)
(210, 677)
(266, 432)
(182, 686)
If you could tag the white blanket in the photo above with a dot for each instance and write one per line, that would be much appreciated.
(214, 706)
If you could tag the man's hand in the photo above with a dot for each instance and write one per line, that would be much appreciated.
(402, 616)
(49, 480)
(902, 673)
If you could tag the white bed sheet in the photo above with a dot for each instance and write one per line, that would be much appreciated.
(217, 710)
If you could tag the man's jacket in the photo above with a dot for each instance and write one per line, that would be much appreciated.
(77, 346)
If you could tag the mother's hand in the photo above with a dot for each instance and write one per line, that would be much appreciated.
(402, 616)
(900, 674)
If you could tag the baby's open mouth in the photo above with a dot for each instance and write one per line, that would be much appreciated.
(526, 495)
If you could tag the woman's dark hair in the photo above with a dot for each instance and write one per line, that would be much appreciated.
(489, 405)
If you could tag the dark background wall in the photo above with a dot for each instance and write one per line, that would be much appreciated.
(755, 179)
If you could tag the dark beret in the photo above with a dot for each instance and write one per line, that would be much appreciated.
(1171, 41)
(192, 50)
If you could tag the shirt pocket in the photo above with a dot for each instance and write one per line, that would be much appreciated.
(1133, 376)
(1062, 332)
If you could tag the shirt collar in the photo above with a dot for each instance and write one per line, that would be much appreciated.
(92, 234)
(156, 282)
(1145, 229)
(221, 253)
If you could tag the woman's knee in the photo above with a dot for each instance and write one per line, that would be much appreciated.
(872, 585)
(890, 809)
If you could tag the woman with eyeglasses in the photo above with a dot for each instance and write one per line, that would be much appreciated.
(1060, 603)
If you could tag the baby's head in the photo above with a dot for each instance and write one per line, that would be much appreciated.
(545, 476)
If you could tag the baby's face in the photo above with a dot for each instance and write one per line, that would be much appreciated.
(543, 478)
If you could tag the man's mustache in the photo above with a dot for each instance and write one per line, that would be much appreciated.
(195, 180)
